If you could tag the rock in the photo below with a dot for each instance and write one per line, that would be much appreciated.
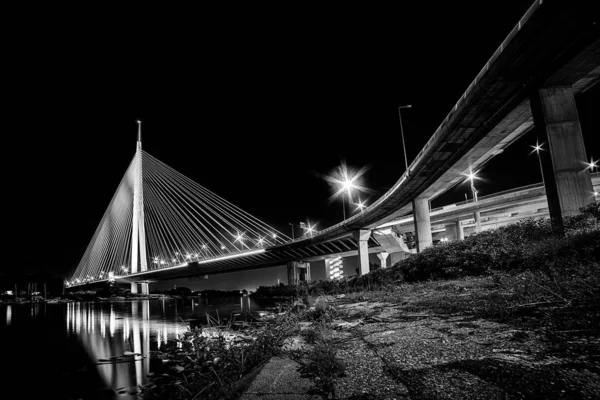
(305, 325)
(298, 305)
(341, 324)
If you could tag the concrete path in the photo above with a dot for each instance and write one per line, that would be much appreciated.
(279, 379)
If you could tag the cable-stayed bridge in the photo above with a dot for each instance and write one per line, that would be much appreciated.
(161, 225)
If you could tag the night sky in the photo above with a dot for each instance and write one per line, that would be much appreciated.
(254, 104)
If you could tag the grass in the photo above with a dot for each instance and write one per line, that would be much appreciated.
(521, 274)
(208, 362)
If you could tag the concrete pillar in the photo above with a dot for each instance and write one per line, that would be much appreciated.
(566, 179)
(292, 272)
(451, 231)
(422, 223)
(383, 259)
(307, 267)
(362, 237)
(460, 231)
(134, 287)
(477, 216)
(144, 288)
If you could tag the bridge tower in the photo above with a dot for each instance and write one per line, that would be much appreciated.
(138, 232)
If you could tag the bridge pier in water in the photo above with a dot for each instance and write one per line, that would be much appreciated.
(143, 288)
(566, 179)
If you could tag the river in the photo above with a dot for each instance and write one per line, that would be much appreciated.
(63, 351)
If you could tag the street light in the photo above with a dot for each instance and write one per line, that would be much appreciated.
(471, 177)
(240, 238)
(537, 148)
(292, 231)
(402, 134)
(592, 165)
(310, 229)
(360, 206)
(347, 186)
(344, 180)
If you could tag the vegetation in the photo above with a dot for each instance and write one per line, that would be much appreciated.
(529, 245)
(208, 362)
(521, 273)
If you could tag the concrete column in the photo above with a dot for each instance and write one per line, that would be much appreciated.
(422, 223)
(307, 267)
(144, 288)
(477, 216)
(292, 272)
(383, 259)
(362, 238)
(134, 287)
(460, 231)
(566, 179)
(451, 231)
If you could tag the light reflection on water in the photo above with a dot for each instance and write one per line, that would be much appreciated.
(102, 330)
(111, 329)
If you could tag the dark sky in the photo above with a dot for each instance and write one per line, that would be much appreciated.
(253, 104)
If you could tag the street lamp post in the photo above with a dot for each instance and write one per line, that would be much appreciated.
(347, 186)
(473, 190)
(537, 148)
(471, 177)
(292, 230)
(402, 134)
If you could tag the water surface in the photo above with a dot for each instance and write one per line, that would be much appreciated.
(63, 351)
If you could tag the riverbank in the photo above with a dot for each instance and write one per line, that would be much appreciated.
(455, 339)
(510, 313)
(470, 338)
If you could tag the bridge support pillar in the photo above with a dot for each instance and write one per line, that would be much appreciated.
(307, 276)
(451, 233)
(460, 231)
(362, 238)
(134, 287)
(422, 223)
(298, 271)
(383, 259)
(144, 288)
(292, 268)
(566, 179)
(477, 216)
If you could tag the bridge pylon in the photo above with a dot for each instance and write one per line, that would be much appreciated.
(138, 232)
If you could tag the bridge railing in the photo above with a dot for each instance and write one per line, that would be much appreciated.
(435, 135)
(492, 195)
(479, 77)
